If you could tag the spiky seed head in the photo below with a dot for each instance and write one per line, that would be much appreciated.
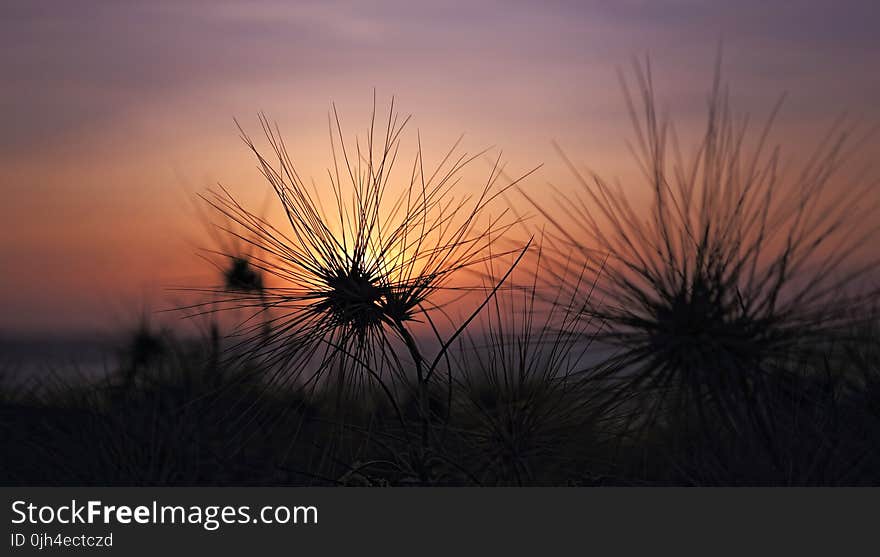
(240, 275)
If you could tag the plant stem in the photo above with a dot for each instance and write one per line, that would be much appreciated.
(418, 360)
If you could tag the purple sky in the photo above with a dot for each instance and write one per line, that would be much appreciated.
(115, 112)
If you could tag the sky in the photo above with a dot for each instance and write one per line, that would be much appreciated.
(116, 113)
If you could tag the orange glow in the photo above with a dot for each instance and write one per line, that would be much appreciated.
(105, 154)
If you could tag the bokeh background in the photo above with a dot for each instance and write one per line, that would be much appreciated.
(115, 113)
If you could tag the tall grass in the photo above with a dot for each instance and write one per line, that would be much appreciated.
(348, 282)
(524, 411)
(738, 274)
(725, 334)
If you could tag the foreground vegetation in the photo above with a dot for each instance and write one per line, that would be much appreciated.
(187, 419)
(725, 335)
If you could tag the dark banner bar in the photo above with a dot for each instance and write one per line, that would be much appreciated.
(538, 521)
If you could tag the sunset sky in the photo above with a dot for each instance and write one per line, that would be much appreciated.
(116, 113)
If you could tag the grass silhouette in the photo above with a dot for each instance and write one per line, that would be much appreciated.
(725, 335)
(350, 280)
(737, 276)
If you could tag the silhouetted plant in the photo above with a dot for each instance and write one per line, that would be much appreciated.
(735, 269)
(346, 284)
(524, 411)
(240, 275)
(144, 347)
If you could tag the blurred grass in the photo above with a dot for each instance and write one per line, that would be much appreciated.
(708, 341)
(184, 417)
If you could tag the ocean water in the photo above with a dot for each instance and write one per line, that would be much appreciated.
(32, 360)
